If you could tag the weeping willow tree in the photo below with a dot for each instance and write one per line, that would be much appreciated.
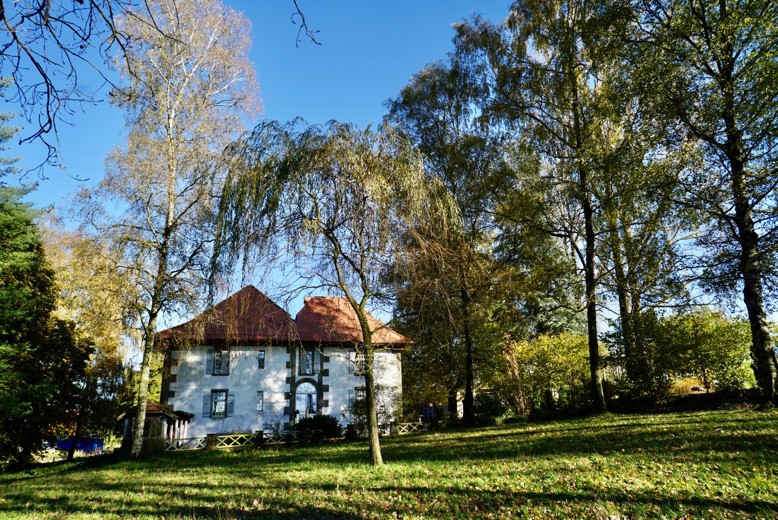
(337, 204)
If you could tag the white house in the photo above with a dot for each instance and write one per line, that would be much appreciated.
(247, 365)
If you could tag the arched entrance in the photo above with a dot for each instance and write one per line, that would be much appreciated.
(306, 404)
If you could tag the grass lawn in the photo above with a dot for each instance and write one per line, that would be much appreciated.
(705, 464)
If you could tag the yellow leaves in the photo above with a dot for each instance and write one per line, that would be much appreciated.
(549, 362)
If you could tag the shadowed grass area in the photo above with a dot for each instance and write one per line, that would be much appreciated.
(705, 464)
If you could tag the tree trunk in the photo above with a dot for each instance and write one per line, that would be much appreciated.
(750, 264)
(372, 416)
(452, 403)
(626, 316)
(751, 271)
(79, 419)
(370, 397)
(468, 408)
(160, 282)
(149, 336)
(74, 438)
(585, 198)
(143, 389)
(595, 367)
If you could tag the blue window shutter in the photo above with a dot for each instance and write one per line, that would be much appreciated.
(352, 358)
(316, 361)
(209, 361)
(225, 362)
(230, 404)
(207, 404)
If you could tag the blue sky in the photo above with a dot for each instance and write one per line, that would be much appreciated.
(368, 52)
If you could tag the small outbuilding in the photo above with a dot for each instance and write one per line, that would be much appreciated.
(162, 423)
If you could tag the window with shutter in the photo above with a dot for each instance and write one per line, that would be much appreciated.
(261, 359)
(219, 407)
(260, 401)
(231, 404)
(221, 362)
(209, 361)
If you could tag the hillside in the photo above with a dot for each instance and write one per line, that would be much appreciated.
(704, 464)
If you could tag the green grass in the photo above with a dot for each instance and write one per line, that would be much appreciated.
(705, 464)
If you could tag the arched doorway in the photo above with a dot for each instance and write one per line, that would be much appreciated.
(306, 400)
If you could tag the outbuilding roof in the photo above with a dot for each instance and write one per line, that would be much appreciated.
(154, 409)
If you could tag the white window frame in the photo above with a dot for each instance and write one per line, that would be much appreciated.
(216, 400)
(359, 392)
(360, 364)
(304, 352)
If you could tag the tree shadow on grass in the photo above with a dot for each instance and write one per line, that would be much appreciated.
(261, 483)
(663, 438)
(61, 467)
(680, 433)
(287, 499)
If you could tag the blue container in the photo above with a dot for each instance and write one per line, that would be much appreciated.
(86, 445)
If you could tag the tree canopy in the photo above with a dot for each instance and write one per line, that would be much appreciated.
(43, 359)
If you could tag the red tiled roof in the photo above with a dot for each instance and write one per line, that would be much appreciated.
(250, 316)
(247, 315)
(328, 319)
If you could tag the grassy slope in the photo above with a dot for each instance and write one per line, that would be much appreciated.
(708, 464)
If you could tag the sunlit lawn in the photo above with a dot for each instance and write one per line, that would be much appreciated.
(706, 465)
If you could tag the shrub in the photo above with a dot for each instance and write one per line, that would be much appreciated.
(488, 407)
(702, 346)
(319, 427)
(548, 373)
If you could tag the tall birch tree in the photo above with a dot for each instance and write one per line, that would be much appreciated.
(190, 87)
(710, 68)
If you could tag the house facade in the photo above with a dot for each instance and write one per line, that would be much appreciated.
(248, 366)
